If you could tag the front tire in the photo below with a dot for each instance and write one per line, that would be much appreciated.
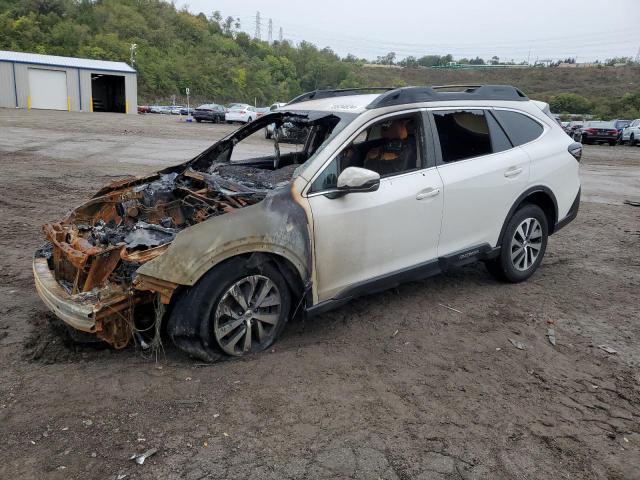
(632, 140)
(523, 245)
(235, 309)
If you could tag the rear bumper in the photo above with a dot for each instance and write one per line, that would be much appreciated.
(600, 138)
(74, 312)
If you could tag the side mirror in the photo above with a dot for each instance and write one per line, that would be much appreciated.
(355, 179)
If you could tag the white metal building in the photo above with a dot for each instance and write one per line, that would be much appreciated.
(30, 80)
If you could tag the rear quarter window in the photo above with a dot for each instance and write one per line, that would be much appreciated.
(520, 128)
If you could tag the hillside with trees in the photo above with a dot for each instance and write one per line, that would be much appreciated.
(219, 62)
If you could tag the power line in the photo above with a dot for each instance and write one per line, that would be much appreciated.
(258, 25)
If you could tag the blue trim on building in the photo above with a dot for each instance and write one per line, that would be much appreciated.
(135, 72)
(15, 83)
(79, 91)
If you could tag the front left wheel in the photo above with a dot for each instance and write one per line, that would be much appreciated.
(235, 309)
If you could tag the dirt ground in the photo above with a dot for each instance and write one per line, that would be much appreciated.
(421, 382)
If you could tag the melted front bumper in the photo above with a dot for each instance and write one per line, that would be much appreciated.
(74, 312)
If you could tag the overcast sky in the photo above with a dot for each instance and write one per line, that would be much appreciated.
(510, 29)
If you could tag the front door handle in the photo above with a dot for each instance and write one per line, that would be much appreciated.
(428, 193)
(513, 172)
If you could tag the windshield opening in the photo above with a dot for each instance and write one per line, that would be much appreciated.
(280, 142)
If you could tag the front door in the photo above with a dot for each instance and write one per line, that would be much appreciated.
(362, 237)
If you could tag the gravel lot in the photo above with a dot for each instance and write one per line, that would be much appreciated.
(341, 396)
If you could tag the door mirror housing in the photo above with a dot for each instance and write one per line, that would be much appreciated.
(353, 180)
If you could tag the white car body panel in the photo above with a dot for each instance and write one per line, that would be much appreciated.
(365, 235)
(478, 194)
(475, 198)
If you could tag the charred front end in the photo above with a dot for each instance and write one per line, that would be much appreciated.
(85, 272)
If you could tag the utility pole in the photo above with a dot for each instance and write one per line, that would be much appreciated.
(132, 54)
(280, 35)
(270, 36)
(257, 32)
(637, 59)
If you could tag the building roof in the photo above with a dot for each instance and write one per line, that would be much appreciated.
(72, 62)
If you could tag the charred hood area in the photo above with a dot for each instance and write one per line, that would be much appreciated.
(93, 253)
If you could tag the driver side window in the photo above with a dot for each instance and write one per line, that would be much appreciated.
(389, 147)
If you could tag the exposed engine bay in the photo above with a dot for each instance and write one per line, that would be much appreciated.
(94, 252)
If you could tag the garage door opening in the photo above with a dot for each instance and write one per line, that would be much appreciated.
(107, 92)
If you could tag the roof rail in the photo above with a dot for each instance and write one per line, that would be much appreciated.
(405, 95)
(318, 94)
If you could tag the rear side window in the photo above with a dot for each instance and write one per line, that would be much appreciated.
(520, 128)
(468, 133)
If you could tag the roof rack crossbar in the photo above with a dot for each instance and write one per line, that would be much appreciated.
(338, 92)
(406, 95)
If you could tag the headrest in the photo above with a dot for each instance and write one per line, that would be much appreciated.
(395, 131)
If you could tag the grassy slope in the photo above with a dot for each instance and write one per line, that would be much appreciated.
(540, 83)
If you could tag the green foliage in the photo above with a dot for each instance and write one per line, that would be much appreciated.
(175, 49)
(570, 103)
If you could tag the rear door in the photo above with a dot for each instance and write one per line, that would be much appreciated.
(482, 175)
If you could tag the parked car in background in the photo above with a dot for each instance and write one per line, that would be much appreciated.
(268, 131)
(631, 134)
(620, 126)
(209, 112)
(574, 126)
(186, 111)
(175, 109)
(242, 113)
(155, 109)
(165, 110)
(262, 111)
(144, 109)
(597, 132)
(233, 105)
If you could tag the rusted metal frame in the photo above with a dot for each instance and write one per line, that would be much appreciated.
(162, 287)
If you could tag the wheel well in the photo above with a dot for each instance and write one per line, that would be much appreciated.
(546, 203)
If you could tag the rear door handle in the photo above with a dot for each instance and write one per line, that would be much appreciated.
(513, 172)
(428, 193)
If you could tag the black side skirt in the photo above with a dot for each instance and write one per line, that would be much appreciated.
(411, 274)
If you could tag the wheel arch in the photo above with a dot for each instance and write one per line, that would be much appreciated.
(541, 196)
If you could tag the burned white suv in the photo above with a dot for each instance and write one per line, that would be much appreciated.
(387, 187)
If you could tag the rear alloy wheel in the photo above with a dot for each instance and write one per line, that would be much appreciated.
(523, 245)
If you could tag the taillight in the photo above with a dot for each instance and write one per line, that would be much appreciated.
(590, 130)
(575, 149)
(613, 132)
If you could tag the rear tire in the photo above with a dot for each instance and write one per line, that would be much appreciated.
(613, 143)
(523, 245)
(632, 140)
(198, 120)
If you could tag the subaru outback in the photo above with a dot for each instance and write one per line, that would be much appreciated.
(389, 186)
